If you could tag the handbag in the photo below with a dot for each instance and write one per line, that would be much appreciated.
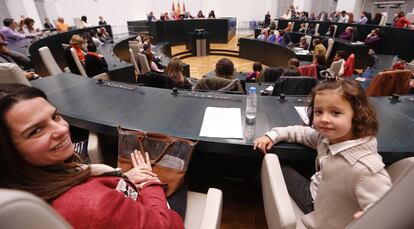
(169, 156)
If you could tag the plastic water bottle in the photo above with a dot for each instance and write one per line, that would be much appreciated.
(394, 59)
(251, 106)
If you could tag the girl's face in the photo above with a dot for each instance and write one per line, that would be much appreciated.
(39, 132)
(333, 116)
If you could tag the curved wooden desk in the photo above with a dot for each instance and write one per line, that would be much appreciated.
(100, 108)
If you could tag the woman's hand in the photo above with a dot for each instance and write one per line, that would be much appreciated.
(264, 143)
(142, 171)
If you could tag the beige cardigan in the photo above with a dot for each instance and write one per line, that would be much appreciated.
(352, 180)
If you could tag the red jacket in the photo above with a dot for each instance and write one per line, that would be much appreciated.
(402, 22)
(97, 204)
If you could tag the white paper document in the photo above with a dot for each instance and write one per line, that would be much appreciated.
(303, 114)
(221, 122)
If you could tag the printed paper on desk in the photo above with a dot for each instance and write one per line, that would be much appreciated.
(221, 122)
(303, 114)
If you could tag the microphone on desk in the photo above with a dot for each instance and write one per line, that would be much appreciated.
(282, 98)
(395, 98)
(175, 91)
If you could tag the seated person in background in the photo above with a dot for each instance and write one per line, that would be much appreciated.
(289, 27)
(151, 17)
(39, 144)
(272, 25)
(175, 72)
(303, 16)
(331, 31)
(28, 27)
(200, 14)
(292, 69)
(350, 174)
(103, 35)
(280, 37)
(311, 29)
(401, 21)
(302, 43)
(153, 66)
(95, 39)
(363, 19)
(373, 39)
(61, 26)
(224, 78)
(165, 17)
(347, 34)
(344, 18)
(287, 15)
(47, 24)
(257, 68)
(320, 63)
(78, 44)
(267, 19)
(147, 48)
(95, 63)
(9, 33)
(302, 28)
(264, 34)
(9, 56)
(272, 36)
(339, 56)
(319, 49)
(101, 21)
(212, 14)
(84, 22)
(376, 20)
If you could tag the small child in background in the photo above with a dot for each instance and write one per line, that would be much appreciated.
(350, 174)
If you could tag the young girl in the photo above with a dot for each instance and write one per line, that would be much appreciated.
(350, 173)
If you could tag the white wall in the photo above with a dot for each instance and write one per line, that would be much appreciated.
(23, 7)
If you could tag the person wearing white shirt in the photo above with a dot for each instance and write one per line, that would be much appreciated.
(84, 21)
(344, 18)
(363, 19)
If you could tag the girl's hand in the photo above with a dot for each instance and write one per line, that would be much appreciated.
(358, 214)
(264, 143)
(142, 171)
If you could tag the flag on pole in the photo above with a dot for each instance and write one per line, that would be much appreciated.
(183, 7)
(173, 8)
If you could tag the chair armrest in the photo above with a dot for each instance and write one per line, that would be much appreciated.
(102, 76)
(278, 207)
(212, 210)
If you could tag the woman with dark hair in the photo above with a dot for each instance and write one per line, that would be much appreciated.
(37, 156)
(28, 27)
(376, 20)
(84, 22)
(331, 31)
(175, 72)
(212, 14)
(200, 14)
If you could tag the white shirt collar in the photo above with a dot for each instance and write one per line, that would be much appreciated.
(339, 147)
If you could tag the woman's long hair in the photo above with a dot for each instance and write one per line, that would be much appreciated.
(175, 72)
(16, 173)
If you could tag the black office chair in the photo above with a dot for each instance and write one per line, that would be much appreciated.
(294, 85)
(151, 79)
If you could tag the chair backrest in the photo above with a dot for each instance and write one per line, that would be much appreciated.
(270, 74)
(349, 65)
(78, 22)
(278, 207)
(65, 46)
(317, 29)
(152, 79)
(204, 211)
(329, 49)
(78, 62)
(134, 60)
(11, 73)
(24, 210)
(308, 40)
(395, 208)
(48, 60)
(336, 67)
(334, 33)
(306, 27)
(294, 85)
(384, 19)
(387, 83)
(308, 70)
(144, 63)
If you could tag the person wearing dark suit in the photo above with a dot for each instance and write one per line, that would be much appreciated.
(95, 64)
(47, 24)
(102, 21)
(266, 20)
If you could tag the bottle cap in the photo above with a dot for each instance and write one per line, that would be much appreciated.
(252, 90)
